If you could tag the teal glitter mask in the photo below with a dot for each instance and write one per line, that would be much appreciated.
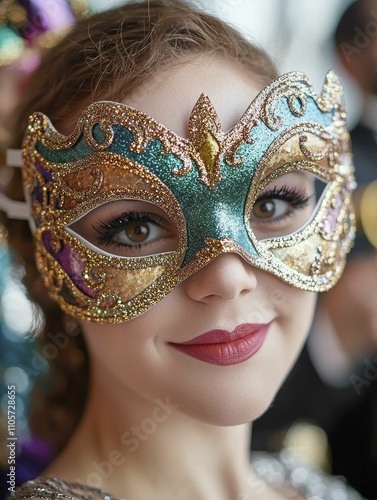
(208, 186)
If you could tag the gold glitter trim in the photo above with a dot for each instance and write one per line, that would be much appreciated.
(90, 285)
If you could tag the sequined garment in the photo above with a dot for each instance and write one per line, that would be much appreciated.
(279, 472)
(312, 483)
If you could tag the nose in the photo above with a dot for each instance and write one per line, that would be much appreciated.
(227, 277)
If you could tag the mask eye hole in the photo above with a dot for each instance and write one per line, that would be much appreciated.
(286, 204)
(127, 228)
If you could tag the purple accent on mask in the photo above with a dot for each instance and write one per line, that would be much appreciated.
(45, 16)
(332, 215)
(36, 193)
(46, 174)
(71, 262)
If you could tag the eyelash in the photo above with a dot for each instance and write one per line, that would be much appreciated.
(298, 199)
(109, 228)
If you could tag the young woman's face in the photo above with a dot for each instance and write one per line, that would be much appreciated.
(226, 383)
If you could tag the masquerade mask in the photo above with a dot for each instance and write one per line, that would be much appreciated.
(249, 190)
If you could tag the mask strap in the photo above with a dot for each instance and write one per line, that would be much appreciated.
(14, 158)
(15, 209)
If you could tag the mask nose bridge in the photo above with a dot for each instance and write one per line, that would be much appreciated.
(223, 230)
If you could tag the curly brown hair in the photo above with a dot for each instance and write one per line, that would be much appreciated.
(107, 56)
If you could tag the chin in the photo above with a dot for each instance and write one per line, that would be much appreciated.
(228, 408)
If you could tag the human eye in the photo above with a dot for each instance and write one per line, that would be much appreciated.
(130, 230)
(285, 205)
(277, 203)
(127, 229)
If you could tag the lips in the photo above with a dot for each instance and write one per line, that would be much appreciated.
(224, 348)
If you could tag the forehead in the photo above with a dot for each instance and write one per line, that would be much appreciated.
(170, 95)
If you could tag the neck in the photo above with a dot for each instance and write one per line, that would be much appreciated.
(135, 448)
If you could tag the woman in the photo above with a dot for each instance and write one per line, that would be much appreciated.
(182, 235)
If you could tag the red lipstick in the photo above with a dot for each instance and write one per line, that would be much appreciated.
(221, 347)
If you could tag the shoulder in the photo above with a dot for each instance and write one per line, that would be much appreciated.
(45, 488)
(285, 469)
(41, 488)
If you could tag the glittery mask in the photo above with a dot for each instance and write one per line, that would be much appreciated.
(207, 185)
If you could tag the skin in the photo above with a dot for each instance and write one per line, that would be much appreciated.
(201, 449)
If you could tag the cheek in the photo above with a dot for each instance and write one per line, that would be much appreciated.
(297, 309)
(127, 357)
(294, 310)
(295, 315)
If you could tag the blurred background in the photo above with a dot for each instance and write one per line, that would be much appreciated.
(326, 412)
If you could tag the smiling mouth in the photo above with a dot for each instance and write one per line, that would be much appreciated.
(220, 347)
